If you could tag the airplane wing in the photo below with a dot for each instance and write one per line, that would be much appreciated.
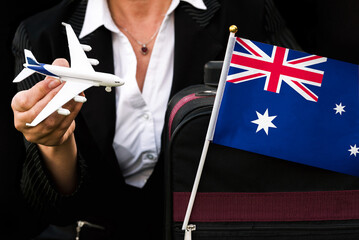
(78, 57)
(66, 93)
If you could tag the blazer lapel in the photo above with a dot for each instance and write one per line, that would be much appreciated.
(202, 17)
(194, 41)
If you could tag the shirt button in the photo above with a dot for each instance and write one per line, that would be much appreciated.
(146, 116)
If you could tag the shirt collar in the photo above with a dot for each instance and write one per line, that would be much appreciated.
(195, 3)
(98, 14)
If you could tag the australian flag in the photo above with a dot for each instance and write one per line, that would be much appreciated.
(291, 105)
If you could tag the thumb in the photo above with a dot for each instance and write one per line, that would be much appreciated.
(54, 82)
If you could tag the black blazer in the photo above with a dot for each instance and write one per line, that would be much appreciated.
(102, 196)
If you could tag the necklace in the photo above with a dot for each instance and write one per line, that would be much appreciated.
(144, 48)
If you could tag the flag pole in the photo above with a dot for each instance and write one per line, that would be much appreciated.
(212, 123)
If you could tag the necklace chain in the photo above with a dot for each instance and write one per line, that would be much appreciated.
(144, 48)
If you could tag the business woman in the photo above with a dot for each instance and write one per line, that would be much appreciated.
(103, 162)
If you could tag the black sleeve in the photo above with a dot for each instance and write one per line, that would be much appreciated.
(37, 186)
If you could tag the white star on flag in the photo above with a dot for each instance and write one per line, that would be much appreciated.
(353, 150)
(264, 121)
(339, 108)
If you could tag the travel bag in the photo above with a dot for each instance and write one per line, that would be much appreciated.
(243, 195)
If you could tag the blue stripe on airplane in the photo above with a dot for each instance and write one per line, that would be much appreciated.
(31, 61)
(40, 69)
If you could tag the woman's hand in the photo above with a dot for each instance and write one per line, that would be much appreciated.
(26, 105)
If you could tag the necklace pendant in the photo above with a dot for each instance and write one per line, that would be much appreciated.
(144, 49)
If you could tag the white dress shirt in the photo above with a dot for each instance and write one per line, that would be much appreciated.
(139, 116)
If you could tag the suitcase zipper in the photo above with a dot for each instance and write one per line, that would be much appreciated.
(188, 232)
(80, 224)
(316, 228)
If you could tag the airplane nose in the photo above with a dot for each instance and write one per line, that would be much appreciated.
(118, 81)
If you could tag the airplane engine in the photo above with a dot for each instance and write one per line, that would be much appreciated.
(93, 61)
(80, 99)
(86, 48)
(63, 111)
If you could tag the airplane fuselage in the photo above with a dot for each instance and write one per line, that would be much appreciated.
(65, 73)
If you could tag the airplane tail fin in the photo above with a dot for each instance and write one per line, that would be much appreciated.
(30, 60)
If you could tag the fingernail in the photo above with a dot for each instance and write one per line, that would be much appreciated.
(54, 83)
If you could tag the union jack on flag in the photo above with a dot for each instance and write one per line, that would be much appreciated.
(259, 60)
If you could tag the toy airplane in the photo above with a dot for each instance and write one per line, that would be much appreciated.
(79, 77)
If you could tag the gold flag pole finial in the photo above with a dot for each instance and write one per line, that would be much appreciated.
(233, 29)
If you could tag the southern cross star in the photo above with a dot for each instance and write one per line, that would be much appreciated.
(353, 150)
(339, 108)
(264, 121)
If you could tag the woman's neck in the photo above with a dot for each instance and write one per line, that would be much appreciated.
(132, 14)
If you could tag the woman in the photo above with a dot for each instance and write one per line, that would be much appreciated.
(103, 162)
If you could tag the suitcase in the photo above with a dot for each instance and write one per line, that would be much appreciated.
(243, 195)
